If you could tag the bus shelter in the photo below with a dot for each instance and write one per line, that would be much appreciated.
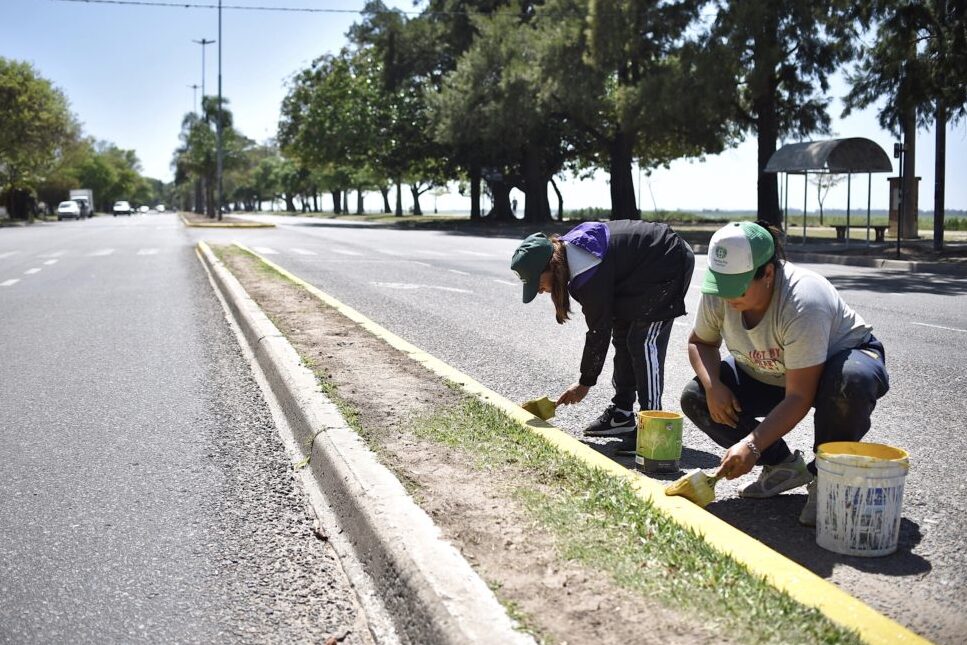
(855, 155)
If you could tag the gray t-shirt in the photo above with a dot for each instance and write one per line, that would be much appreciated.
(805, 324)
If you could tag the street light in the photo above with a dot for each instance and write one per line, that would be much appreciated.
(194, 96)
(218, 125)
(898, 150)
(203, 44)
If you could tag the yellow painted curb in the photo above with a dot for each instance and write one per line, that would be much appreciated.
(224, 224)
(801, 584)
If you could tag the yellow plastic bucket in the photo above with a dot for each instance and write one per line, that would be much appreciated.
(659, 441)
(859, 497)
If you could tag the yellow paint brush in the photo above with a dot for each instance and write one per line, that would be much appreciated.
(696, 487)
(542, 408)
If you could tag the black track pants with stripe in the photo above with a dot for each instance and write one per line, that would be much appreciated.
(639, 362)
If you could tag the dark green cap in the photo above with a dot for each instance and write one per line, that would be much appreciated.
(530, 260)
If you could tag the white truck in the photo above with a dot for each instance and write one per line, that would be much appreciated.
(85, 199)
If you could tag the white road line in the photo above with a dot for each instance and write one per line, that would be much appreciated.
(32, 271)
(49, 262)
(102, 252)
(10, 282)
(7, 254)
(507, 282)
(477, 253)
(940, 327)
(422, 264)
(303, 252)
(384, 251)
(458, 272)
(345, 252)
(148, 252)
(264, 250)
(409, 286)
(55, 254)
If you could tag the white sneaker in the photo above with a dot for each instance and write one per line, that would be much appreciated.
(779, 478)
(808, 515)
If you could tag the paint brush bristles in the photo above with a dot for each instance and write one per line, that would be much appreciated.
(695, 486)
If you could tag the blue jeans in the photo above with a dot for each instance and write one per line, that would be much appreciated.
(849, 387)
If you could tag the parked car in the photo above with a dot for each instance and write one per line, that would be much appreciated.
(70, 208)
(144, 208)
(160, 208)
(122, 208)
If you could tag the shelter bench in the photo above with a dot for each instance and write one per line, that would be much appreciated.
(879, 229)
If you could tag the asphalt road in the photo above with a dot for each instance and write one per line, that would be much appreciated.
(144, 493)
(453, 295)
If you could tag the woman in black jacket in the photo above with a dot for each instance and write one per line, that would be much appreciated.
(630, 278)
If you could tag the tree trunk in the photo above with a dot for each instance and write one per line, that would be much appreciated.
(315, 202)
(399, 198)
(501, 211)
(767, 127)
(537, 210)
(908, 218)
(385, 193)
(474, 191)
(622, 185)
(939, 170)
(416, 199)
(199, 197)
(560, 200)
(336, 206)
(359, 201)
(289, 203)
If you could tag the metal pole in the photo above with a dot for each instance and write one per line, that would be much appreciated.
(218, 125)
(899, 205)
(204, 43)
(785, 207)
(805, 194)
(869, 196)
(194, 96)
(849, 190)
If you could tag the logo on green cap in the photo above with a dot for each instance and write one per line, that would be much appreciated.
(721, 252)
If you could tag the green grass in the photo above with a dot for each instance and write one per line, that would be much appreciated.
(598, 520)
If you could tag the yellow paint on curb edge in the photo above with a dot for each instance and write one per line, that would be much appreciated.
(225, 224)
(801, 584)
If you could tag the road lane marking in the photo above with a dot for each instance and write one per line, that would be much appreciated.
(940, 327)
(344, 252)
(458, 272)
(7, 254)
(422, 264)
(32, 271)
(385, 251)
(477, 253)
(148, 252)
(10, 282)
(55, 254)
(303, 252)
(507, 282)
(264, 250)
(49, 262)
(409, 286)
(101, 253)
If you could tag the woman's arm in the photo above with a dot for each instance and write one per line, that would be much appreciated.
(801, 385)
(723, 407)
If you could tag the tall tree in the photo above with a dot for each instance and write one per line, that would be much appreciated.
(35, 126)
(782, 54)
(918, 64)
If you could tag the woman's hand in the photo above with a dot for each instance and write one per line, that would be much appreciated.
(722, 405)
(737, 461)
(573, 394)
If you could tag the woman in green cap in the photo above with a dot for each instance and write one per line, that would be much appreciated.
(793, 344)
(630, 278)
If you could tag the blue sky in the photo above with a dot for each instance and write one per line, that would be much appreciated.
(127, 69)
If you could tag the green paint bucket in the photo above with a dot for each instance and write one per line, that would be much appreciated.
(659, 446)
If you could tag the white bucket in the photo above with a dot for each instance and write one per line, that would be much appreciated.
(859, 496)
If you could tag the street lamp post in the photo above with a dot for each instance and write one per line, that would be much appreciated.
(194, 96)
(204, 43)
(218, 126)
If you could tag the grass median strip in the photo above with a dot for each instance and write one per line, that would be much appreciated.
(587, 515)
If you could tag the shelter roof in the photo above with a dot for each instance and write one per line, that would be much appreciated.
(837, 156)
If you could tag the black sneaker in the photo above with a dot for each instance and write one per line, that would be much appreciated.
(611, 424)
(628, 444)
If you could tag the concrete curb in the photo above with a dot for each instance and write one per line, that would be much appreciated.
(224, 224)
(432, 593)
(910, 266)
(782, 573)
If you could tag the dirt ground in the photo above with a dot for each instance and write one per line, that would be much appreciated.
(559, 600)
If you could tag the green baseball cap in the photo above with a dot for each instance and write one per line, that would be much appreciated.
(529, 261)
(735, 252)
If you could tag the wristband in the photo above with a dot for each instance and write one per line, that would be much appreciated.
(755, 451)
